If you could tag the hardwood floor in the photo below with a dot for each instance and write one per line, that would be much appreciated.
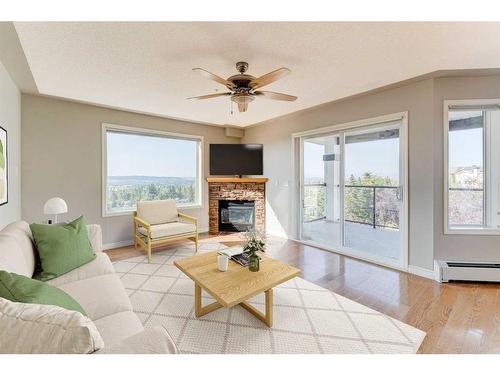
(457, 317)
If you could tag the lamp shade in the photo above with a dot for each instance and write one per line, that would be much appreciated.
(55, 206)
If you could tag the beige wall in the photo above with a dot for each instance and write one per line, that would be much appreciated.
(62, 157)
(10, 119)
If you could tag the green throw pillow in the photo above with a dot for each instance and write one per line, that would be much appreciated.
(17, 288)
(61, 248)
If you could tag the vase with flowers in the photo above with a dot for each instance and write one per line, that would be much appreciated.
(255, 241)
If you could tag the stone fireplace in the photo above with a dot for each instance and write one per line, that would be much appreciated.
(236, 204)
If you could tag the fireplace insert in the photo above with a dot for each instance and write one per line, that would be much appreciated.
(236, 215)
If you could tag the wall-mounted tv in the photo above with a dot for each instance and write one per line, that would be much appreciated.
(236, 159)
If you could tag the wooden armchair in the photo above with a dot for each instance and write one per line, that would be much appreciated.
(159, 222)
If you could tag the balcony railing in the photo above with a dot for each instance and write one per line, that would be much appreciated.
(374, 205)
(314, 202)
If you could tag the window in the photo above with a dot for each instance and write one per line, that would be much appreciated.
(472, 184)
(143, 164)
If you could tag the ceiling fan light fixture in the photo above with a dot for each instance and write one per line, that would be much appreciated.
(242, 99)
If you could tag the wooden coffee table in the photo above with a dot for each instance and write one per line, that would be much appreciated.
(236, 285)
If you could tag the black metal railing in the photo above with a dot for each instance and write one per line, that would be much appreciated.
(374, 205)
(465, 189)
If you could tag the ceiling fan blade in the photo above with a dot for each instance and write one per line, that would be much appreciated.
(268, 78)
(276, 95)
(213, 77)
(209, 96)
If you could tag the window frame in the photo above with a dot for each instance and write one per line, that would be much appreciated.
(472, 230)
(105, 127)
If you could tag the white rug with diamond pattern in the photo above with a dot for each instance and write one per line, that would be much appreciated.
(307, 318)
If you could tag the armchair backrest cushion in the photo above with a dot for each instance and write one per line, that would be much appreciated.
(158, 212)
(17, 251)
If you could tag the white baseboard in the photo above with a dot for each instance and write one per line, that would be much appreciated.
(420, 271)
(114, 245)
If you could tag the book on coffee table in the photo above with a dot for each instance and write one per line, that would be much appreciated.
(237, 255)
(230, 251)
(241, 259)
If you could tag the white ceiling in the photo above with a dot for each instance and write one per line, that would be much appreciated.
(146, 67)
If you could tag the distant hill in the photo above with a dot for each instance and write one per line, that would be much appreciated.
(148, 180)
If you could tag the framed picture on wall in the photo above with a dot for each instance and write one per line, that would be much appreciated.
(4, 185)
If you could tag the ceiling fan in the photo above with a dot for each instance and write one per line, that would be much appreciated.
(243, 87)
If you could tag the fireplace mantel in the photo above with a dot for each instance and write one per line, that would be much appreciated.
(237, 179)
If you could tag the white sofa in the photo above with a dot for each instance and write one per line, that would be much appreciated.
(96, 287)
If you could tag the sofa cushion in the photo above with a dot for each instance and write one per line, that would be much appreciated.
(95, 237)
(44, 329)
(19, 288)
(17, 252)
(12, 258)
(155, 340)
(99, 296)
(61, 248)
(116, 327)
(158, 212)
(101, 265)
(169, 229)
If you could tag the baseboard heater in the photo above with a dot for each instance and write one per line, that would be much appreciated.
(467, 271)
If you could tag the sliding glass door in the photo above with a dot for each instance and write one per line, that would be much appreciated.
(321, 212)
(352, 184)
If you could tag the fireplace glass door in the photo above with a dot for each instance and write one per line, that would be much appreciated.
(236, 215)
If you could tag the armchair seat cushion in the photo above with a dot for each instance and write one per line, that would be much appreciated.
(169, 229)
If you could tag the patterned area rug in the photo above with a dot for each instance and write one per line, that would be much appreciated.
(307, 317)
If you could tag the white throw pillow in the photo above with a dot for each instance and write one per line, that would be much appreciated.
(45, 329)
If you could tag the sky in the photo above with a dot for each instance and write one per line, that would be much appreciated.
(313, 160)
(379, 157)
(139, 155)
(465, 148)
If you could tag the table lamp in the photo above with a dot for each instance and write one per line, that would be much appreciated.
(55, 206)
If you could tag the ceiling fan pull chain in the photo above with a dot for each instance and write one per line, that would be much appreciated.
(231, 106)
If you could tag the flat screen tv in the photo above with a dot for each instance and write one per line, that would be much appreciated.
(236, 159)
